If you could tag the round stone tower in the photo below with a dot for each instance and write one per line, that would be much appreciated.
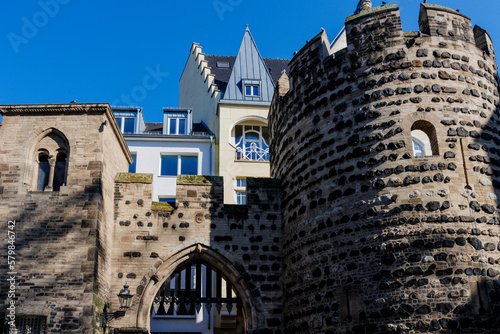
(388, 153)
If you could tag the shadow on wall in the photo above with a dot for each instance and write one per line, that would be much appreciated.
(55, 258)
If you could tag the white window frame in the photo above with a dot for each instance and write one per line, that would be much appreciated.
(179, 162)
(252, 84)
(240, 191)
(177, 124)
(120, 117)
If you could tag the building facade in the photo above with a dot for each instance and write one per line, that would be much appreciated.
(176, 146)
(358, 231)
(232, 96)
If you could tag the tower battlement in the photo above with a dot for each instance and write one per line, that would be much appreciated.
(387, 153)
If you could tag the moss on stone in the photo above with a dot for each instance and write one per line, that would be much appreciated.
(199, 179)
(161, 206)
(134, 178)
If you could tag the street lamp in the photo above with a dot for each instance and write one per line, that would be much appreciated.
(125, 298)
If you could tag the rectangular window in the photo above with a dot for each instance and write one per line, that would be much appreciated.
(240, 190)
(177, 124)
(126, 124)
(172, 165)
(132, 166)
(189, 165)
(169, 165)
(252, 90)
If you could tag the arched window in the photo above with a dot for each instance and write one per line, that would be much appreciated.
(195, 297)
(251, 141)
(60, 171)
(51, 162)
(43, 171)
(424, 139)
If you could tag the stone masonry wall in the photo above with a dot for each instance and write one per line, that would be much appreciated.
(152, 239)
(375, 239)
(57, 251)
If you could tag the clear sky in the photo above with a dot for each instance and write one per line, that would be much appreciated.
(133, 52)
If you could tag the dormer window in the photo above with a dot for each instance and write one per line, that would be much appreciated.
(126, 121)
(176, 123)
(251, 88)
(176, 126)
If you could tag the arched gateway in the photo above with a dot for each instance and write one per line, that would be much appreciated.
(200, 291)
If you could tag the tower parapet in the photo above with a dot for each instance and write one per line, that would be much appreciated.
(389, 166)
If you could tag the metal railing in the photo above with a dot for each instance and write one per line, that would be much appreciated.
(252, 153)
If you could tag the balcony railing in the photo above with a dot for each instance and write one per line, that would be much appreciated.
(252, 153)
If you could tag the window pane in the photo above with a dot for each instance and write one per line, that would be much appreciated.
(189, 165)
(256, 90)
(241, 198)
(173, 126)
(169, 165)
(252, 136)
(265, 133)
(182, 126)
(132, 166)
(128, 127)
(43, 173)
(241, 182)
(248, 90)
(59, 172)
(119, 120)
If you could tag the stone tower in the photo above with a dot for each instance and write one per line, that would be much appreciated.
(389, 163)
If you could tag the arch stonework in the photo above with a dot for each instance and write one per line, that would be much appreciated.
(32, 142)
(216, 256)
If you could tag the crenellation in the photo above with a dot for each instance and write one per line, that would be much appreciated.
(351, 178)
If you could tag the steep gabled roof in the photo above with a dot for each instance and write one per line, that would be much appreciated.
(249, 65)
(275, 67)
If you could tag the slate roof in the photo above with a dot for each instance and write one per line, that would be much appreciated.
(274, 65)
(154, 127)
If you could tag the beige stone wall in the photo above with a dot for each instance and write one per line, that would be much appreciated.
(153, 239)
(57, 251)
(375, 239)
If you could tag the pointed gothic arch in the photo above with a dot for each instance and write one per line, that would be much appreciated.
(47, 161)
(199, 252)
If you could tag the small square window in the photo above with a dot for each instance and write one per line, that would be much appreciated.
(252, 90)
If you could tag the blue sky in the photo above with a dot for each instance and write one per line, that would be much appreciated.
(130, 52)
